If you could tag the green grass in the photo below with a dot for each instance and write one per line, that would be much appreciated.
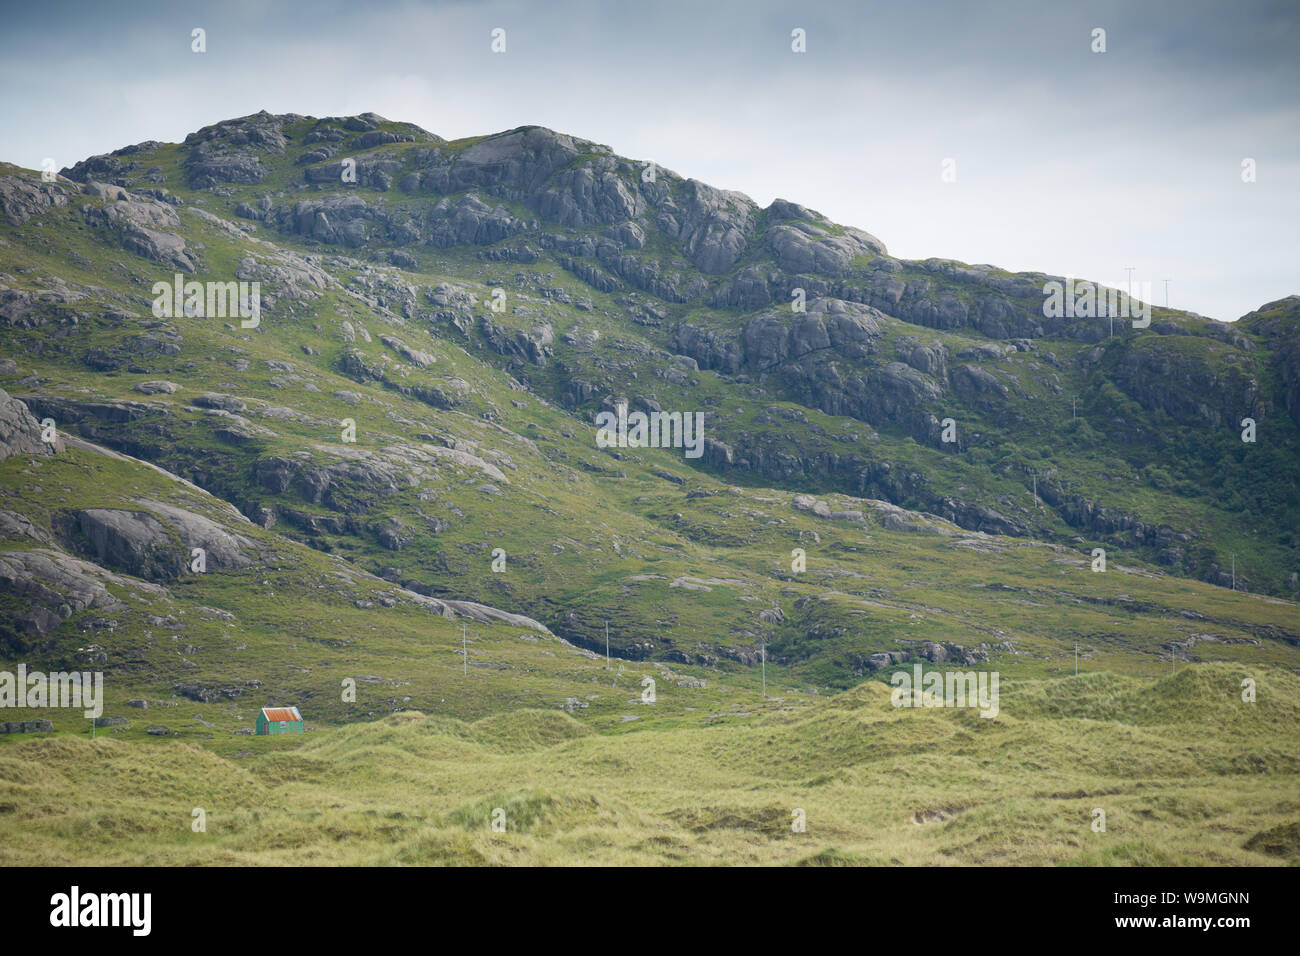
(1186, 773)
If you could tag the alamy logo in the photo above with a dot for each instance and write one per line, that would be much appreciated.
(1089, 300)
(209, 300)
(103, 909)
(61, 689)
(653, 430)
(950, 689)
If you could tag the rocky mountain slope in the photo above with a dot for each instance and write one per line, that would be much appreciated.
(402, 439)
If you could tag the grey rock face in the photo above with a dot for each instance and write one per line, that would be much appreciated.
(907, 386)
(138, 543)
(134, 350)
(207, 692)
(629, 234)
(521, 159)
(71, 411)
(590, 195)
(335, 219)
(779, 336)
(932, 360)
(1184, 385)
(470, 221)
(289, 276)
(56, 578)
(533, 346)
(26, 727)
(228, 152)
(976, 385)
(130, 541)
(157, 387)
(475, 612)
(392, 534)
(224, 549)
(16, 526)
(714, 226)
(804, 247)
(414, 356)
(50, 587)
(350, 487)
(709, 347)
(228, 403)
(1280, 322)
(144, 226)
(774, 338)
(22, 199)
(375, 172)
(852, 328)
(20, 432)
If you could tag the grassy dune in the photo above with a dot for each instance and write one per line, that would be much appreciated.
(1186, 772)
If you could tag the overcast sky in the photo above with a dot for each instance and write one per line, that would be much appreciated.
(1067, 161)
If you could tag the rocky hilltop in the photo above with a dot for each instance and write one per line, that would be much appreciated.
(467, 308)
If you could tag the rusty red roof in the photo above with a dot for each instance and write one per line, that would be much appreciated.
(281, 713)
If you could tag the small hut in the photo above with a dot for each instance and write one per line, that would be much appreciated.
(279, 720)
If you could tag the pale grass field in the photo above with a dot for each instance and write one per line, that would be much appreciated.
(1185, 771)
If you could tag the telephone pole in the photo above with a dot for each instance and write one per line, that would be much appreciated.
(607, 644)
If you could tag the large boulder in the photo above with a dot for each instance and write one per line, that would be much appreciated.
(520, 159)
(225, 550)
(711, 348)
(145, 226)
(154, 544)
(20, 432)
(806, 247)
(131, 541)
(774, 338)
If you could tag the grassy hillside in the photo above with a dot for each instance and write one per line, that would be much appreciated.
(412, 534)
